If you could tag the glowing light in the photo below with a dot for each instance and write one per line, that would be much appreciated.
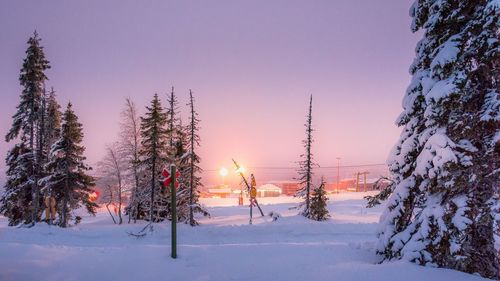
(93, 196)
(223, 172)
(241, 170)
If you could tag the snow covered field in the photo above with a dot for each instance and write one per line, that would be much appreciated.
(224, 247)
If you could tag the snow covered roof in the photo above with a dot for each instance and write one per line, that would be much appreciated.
(219, 190)
(268, 187)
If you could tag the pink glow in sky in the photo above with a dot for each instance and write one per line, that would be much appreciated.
(252, 66)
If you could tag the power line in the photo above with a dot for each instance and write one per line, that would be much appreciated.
(289, 168)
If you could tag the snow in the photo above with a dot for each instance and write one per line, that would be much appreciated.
(440, 89)
(447, 53)
(224, 247)
(437, 152)
(491, 107)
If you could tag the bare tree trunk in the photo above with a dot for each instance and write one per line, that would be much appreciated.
(109, 203)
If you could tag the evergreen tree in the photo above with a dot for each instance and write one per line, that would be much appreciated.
(153, 157)
(193, 171)
(319, 210)
(306, 165)
(28, 120)
(16, 201)
(445, 164)
(32, 79)
(68, 180)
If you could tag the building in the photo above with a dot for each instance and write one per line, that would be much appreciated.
(268, 190)
(288, 188)
(222, 191)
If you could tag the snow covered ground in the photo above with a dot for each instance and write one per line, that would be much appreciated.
(224, 247)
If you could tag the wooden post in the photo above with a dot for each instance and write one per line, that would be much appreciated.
(174, 211)
(357, 181)
(364, 183)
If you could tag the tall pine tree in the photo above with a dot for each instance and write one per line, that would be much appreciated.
(194, 170)
(68, 180)
(153, 155)
(28, 124)
(445, 165)
(306, 165)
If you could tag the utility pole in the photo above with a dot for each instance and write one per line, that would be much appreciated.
(174, 211)
(364, 180)
(357, 181)
(338, 173)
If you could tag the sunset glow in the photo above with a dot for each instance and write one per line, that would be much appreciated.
(251, 71)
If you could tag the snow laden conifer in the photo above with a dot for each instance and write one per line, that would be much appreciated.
(319, 210)
(445, 165)
(306, 165)
(26, 125)
(68, 180)
(154, 204)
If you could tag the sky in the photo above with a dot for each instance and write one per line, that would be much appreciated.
(252, 66)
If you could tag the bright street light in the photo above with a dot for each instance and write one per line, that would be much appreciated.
(241, 170)
(223, 172)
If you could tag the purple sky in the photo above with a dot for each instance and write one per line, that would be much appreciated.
(251, 65)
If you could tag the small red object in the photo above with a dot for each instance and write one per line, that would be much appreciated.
(167, 181)
(165, 173)
(168, 178)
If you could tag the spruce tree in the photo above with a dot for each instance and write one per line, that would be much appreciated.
(319, 210)
(445, 164)
(193, 172)
(153, 155)
(32, 79)
(306, 165)
(68, 180)
(27, 121)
